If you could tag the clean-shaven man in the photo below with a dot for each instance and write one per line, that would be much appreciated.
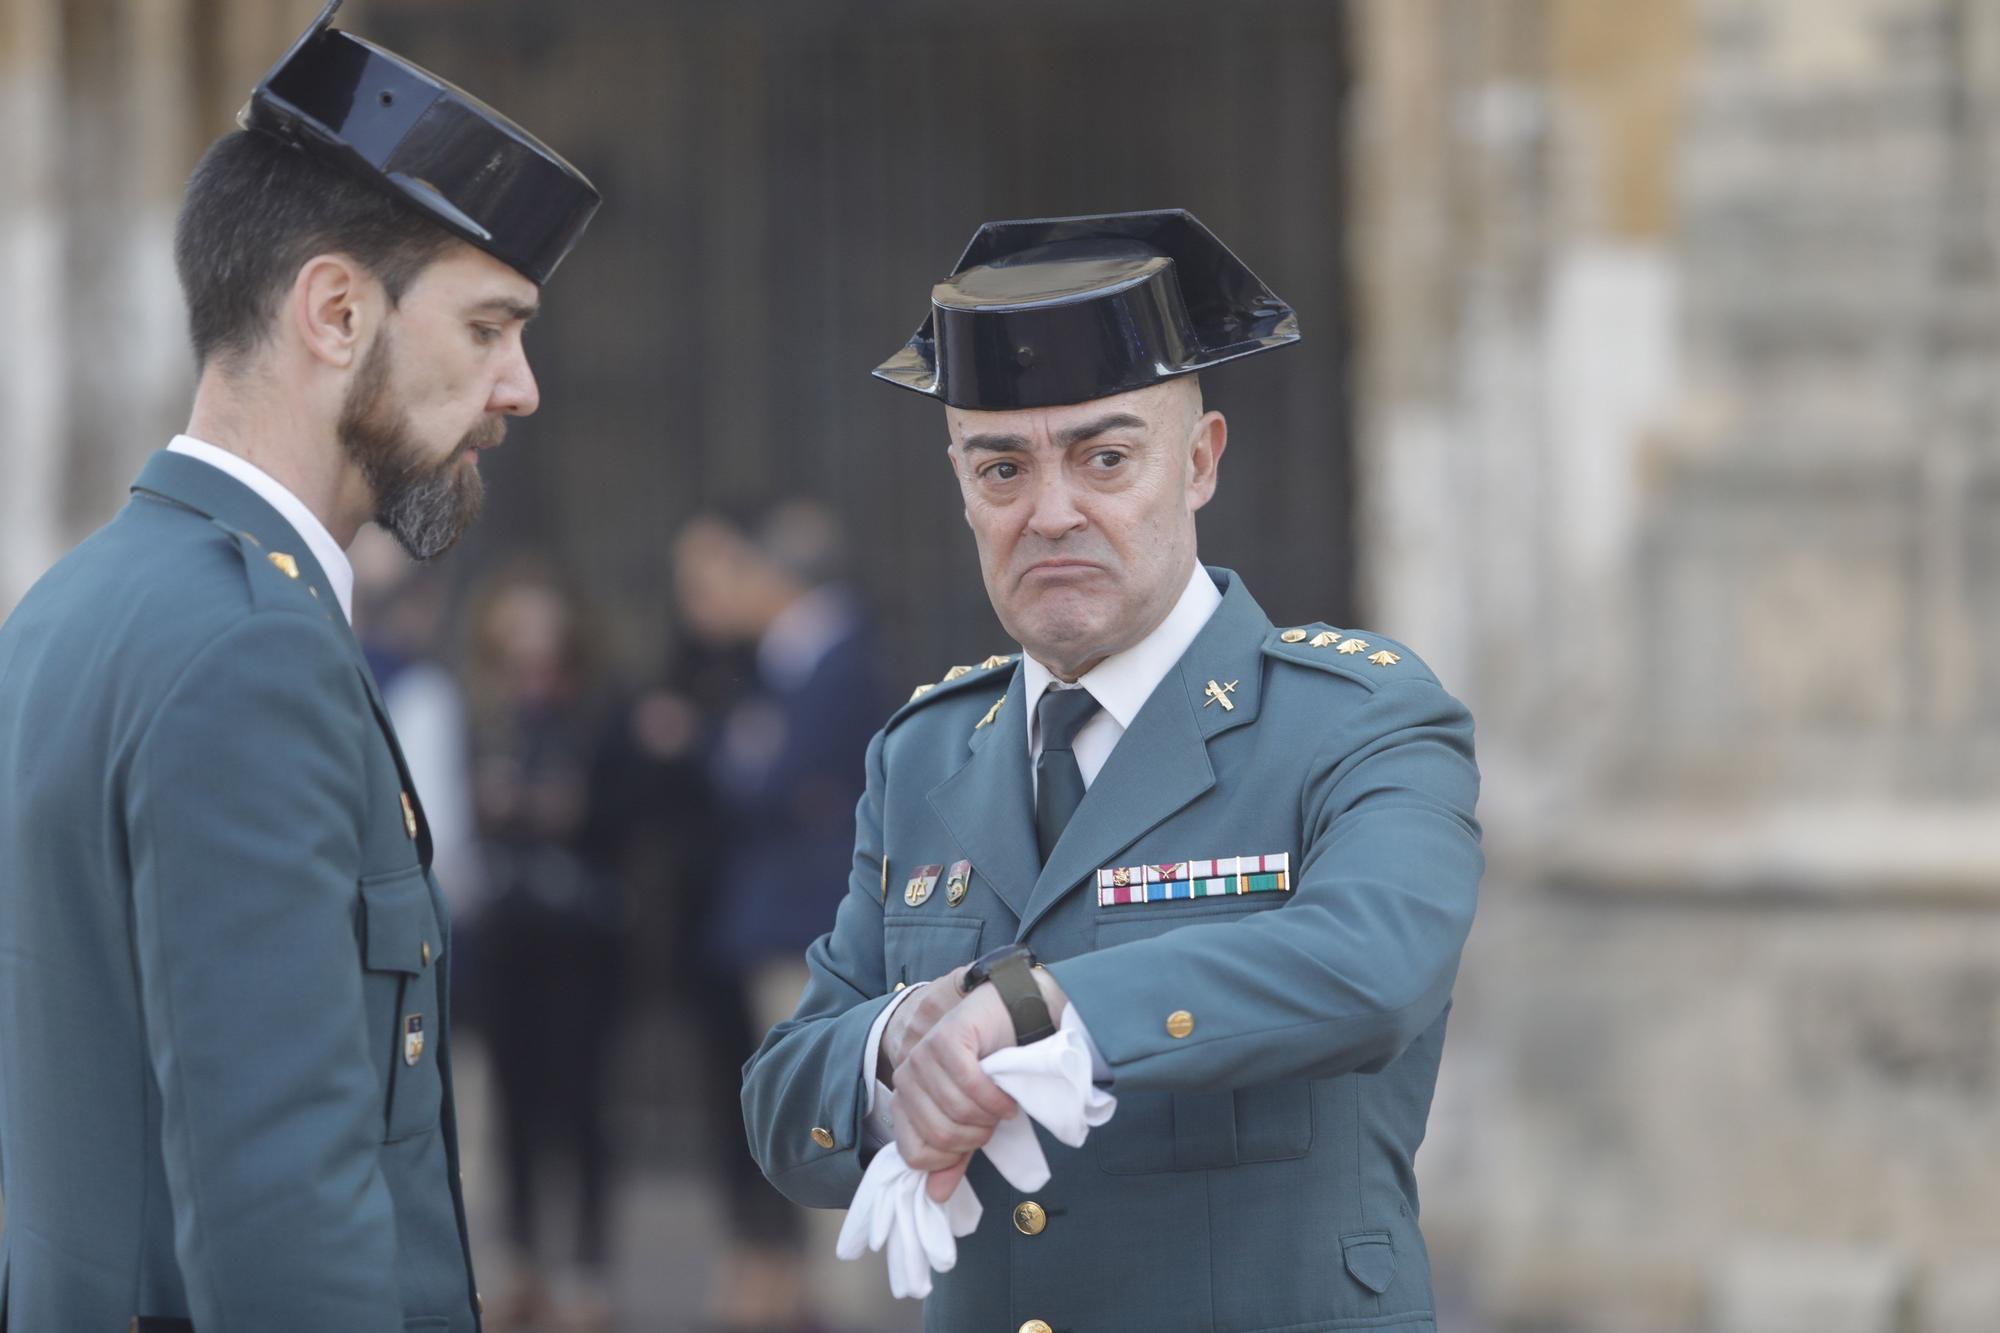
(1244, 855)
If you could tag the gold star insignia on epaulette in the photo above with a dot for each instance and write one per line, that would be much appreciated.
(1353, 646)
(922, 690)
(1385, 658)
(955, 673)
(1293, 635)
(995, 661)
(991, 713)
(1326, 638)
(284, 562)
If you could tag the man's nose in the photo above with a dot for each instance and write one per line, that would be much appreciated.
(1055, 511)
(516, 392)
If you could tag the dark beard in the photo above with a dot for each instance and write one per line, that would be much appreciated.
(425, 507)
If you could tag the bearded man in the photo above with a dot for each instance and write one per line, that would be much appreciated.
(1237, 861)
(225, 1088)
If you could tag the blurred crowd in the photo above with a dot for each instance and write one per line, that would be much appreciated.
(609, 846)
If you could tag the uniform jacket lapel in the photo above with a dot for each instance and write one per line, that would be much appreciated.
(1161, 763)
(986, 803)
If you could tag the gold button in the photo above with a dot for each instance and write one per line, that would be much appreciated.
(1179, 1023)
(901, 984)
(1293, 635)
(478, 1303)
(426, 953)
(1036, 1326)
(1029, 1219)
(823, 1137)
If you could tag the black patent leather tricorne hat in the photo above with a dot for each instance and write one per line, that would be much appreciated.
(1049, 311)
(427, 143)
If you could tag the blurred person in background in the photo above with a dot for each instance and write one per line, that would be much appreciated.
(228, 1093)
(550, 977)
(785, 763)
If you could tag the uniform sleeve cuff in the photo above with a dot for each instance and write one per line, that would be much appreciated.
(877, 1125)
(1100, 1071)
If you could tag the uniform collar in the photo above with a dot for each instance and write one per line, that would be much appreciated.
(1122, 682)
(1160, 764)
(326, 551)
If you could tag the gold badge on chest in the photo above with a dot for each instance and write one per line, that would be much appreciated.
(922, 880)
(957, 883)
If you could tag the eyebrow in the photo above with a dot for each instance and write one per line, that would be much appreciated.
(506, 305)
(1083, 430)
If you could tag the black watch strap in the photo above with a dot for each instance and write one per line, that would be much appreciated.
(1011, 969)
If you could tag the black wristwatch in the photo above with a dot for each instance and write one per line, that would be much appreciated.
(1011, 969)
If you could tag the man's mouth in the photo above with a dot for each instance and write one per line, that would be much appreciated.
(1060, 567)
(486, 435)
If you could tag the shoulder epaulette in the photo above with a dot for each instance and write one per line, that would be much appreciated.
(274, 577)
(961, 679)
(1357, 653)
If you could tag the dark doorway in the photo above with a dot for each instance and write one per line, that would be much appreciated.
(786, 178)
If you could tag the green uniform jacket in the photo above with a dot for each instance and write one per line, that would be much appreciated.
(224, 1084)
(1273, 1053)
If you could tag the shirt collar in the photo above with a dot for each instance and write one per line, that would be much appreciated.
(339, 572)
(1122, 682)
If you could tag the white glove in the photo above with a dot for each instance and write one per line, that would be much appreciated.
(1051, 1081)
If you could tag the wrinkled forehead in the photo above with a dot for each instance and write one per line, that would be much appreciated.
(1156, 409)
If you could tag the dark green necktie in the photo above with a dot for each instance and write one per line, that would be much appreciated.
(1058, 781)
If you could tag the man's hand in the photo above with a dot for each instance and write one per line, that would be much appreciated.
(946, 1107)
(913, 1018)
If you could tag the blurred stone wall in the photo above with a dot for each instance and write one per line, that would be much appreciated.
(105, 104)
(1678, 458)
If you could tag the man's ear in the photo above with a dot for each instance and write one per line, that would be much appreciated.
(1211, 437)
(334, 305)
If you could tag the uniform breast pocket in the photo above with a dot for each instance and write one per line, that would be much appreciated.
(401, 949)
(1142, 921)
(916, 951)
(1199, 1131)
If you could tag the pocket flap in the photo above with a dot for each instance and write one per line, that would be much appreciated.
(399, 929)
(921, 950)
(1370, 1258)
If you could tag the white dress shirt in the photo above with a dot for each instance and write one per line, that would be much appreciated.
(1121, 684)
(339, 572)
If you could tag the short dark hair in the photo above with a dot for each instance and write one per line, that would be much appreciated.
(255, 211)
